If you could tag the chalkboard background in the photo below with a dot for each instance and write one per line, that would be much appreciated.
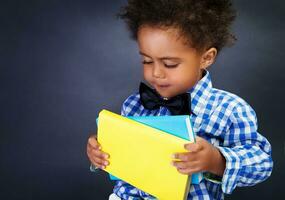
(61, 62)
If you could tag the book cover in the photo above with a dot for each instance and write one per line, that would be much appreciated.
(141, 156)
(178, 125)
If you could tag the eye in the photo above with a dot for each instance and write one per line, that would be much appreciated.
(146, 62)
(170, 65)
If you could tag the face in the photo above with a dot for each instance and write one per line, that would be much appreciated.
(169, 65)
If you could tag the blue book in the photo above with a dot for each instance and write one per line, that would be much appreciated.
(178, 125)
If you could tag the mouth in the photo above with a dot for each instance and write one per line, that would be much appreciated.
(162, 86)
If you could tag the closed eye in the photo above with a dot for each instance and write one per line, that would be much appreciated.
(165, 65)
(171, 66)
(147, 62)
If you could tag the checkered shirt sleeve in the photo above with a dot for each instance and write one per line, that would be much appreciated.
(247, 153)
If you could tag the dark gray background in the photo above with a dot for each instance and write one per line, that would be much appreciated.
(61, 62)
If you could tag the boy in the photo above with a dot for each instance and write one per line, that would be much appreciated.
(178, 40)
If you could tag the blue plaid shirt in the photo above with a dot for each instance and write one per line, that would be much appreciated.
(227, 122)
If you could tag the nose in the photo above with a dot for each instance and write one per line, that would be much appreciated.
(158, 71)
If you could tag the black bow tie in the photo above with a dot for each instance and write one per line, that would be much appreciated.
(178, 105)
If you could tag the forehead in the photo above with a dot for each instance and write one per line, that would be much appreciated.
(162, 41)
(155, 33)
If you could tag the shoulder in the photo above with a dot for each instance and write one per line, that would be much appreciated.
(225, 97)
(131, 105)
(132, 99)
(231, 105)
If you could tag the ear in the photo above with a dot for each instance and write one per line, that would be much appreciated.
(208, 58)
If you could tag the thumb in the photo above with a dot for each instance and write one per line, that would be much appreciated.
(193, 147)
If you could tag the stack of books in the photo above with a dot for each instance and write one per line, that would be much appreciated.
(141, 150)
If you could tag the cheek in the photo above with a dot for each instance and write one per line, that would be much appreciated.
(146, 73)
(176, 76)
(184, 78)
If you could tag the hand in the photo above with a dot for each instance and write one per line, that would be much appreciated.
(202, 156)
(94, 153)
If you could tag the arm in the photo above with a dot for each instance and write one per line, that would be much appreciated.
(244, 158)
(247, 153)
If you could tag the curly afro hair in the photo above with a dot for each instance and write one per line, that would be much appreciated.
(203, 23)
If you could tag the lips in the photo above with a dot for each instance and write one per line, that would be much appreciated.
(162, 85)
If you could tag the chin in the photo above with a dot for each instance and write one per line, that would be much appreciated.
(165, 95)
(169, 95)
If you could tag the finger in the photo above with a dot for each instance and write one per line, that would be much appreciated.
(188, 156)
(188, 171)
(193, 147)
(101, 162)
(99, 154)
(182, 156)
(90, 147)
(179, 164)
(91, 151)
(92, 141)
(94, 162)
(184, 165)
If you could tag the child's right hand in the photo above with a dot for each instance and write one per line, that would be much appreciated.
(94, 153)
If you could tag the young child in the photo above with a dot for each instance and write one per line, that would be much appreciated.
(178, 40)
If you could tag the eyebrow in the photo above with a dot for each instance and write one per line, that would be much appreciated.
(161, 58)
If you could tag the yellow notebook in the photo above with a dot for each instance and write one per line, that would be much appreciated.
(141, 156)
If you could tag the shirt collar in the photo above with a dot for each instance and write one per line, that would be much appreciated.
(200, 94)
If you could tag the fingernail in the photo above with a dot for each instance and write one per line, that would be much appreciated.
(173, 156)
(106, 156)
(173, 164)
(105, 163)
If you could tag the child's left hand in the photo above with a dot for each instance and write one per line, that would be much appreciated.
(202, 156)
